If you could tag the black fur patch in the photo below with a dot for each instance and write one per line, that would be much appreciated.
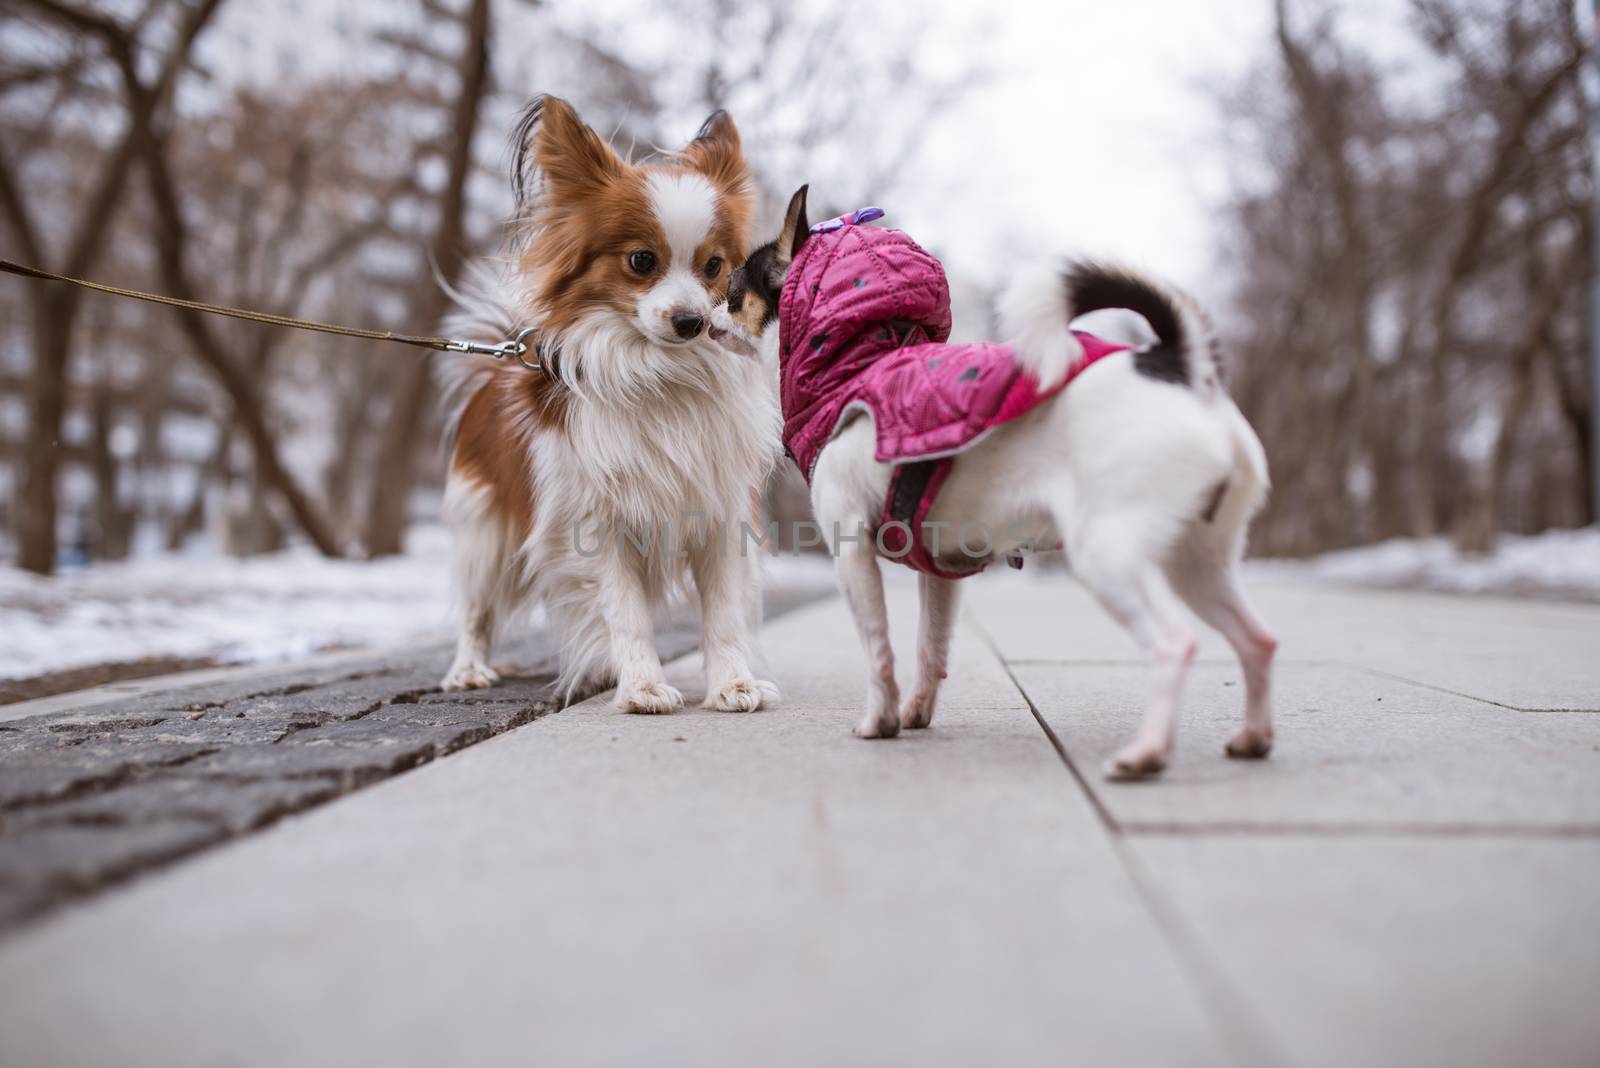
(1162, 363)
(1091, 287)
(760, 278)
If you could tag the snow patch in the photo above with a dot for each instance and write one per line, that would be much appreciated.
(273, 607)
(278, 606)
(1557, 564)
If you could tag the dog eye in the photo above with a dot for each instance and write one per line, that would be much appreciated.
(643, 261)
(713, 266)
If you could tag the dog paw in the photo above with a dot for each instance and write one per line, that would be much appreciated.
(1250, 744)
(917, 712)
(1135, 763)
(649, 698)
(475, 675)
(881, 724)
(742, 695)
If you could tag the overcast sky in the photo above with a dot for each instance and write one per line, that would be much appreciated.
(1094, 131)
(1134, 167)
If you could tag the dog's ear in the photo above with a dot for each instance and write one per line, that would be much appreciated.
(716, 153)
(558, 153)
(717, 133)
(795, 228)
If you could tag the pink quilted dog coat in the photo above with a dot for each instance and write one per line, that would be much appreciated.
(862, 323)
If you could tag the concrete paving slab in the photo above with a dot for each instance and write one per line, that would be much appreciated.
(1353, 749)
(696, 888)
(1358, 951)
(1525, 654)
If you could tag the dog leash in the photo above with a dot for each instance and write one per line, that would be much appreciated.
(516, 347)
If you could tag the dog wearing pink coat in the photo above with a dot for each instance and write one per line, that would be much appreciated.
(1131, 460)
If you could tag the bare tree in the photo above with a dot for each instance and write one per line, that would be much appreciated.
(395, 466)
(1407, 277)
(55, 307)
(282, 250)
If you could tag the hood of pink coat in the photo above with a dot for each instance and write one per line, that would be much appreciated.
(850, 295)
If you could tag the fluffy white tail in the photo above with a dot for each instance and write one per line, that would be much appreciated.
(1037, 311)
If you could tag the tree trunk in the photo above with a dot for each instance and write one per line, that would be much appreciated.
(395, 470)
(113, 522)
(248, 403)
(1571, 380)
(1478, 522)
(249, 416)
(1475, 531)
(55, 309)
(339, 479)
(47, 392)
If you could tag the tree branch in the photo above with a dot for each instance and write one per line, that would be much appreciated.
(143, 102)
(248, 404)
(14, 201)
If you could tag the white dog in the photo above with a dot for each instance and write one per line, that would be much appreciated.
(1142, 470)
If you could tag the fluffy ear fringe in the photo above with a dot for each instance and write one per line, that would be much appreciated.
(718, 128)
(553, 147)
(524, 171)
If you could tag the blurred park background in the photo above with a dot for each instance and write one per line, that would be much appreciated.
(1389, 204)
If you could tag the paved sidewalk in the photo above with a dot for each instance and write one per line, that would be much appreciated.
(1411, 879)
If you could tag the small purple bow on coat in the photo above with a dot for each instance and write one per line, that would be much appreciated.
(855, 218)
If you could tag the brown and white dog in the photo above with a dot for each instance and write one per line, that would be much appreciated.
(596, 491)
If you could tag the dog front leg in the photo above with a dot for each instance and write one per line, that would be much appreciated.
(939, 598)
(728, 580)
(641, 684)
(470, 670)
(862, 583)
(482, 558)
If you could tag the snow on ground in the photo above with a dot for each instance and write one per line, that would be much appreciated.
(1557, 564)
(295, 603)
(270, 607)
(273, 607)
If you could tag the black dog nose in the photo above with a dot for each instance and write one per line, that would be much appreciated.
(688, 326)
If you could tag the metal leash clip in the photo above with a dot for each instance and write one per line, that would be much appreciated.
(515, 348)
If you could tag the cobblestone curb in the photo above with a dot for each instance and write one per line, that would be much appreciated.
(92, 797)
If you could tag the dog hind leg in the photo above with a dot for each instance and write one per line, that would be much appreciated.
(1211, 588)
(1135, 590)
